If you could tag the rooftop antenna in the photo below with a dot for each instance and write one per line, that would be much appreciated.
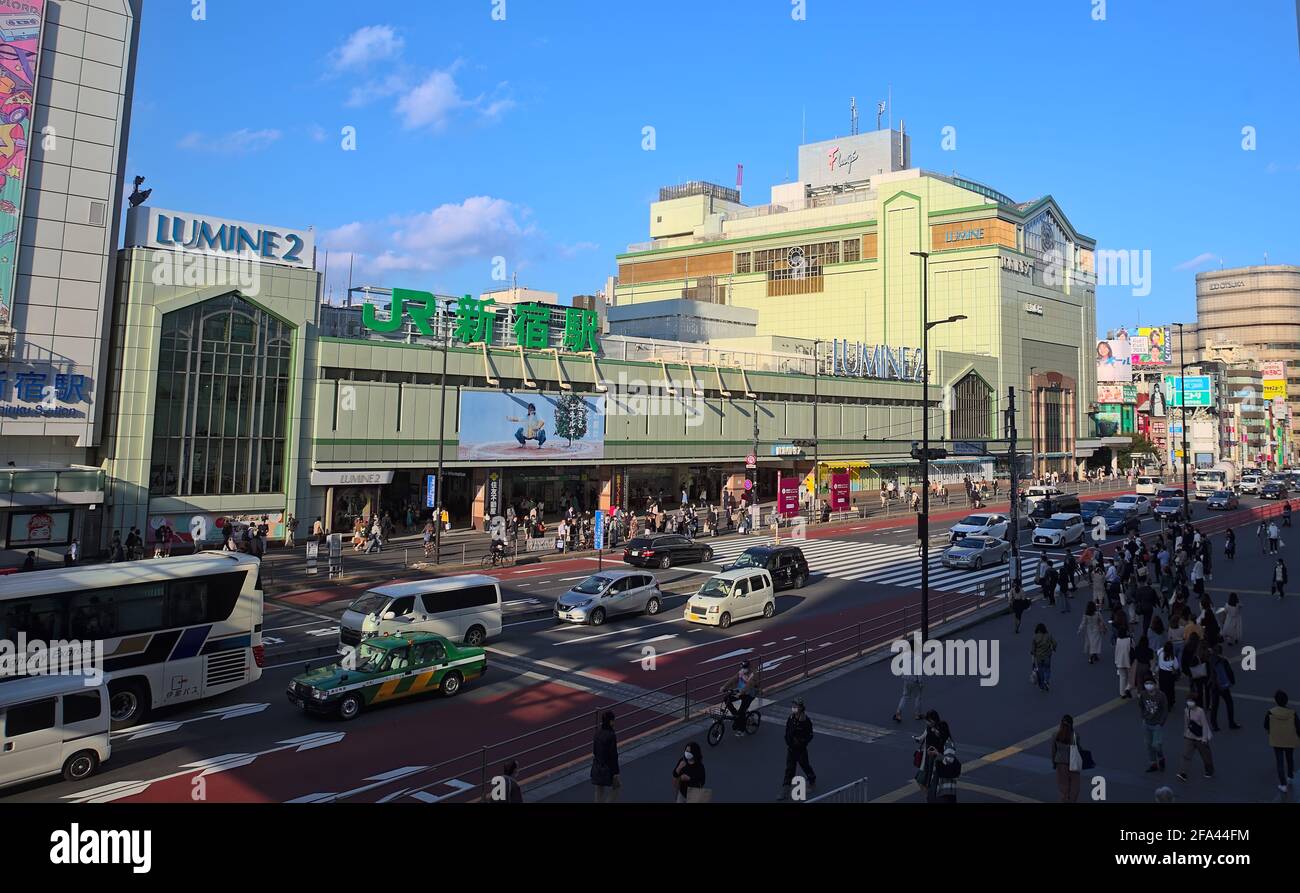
(803, 133)
(880, 112)
(853, 116)
(889, 100)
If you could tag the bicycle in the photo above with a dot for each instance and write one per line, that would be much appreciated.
(495, 558)
(722, 717)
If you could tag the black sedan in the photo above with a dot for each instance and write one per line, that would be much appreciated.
(665, 550)
(1119, 520)
(1272, 490)
(1090, 510)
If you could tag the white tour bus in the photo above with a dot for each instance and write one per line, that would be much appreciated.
(173, 629)
(51, 725)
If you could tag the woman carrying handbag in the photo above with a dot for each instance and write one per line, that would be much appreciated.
(1069, 760)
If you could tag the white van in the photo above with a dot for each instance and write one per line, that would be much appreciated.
(51, 725)
(1148, 484)
(465, 609)
(732, 595)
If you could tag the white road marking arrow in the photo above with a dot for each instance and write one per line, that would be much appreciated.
(377, 781)
(119, 789)
(730, 654)
(457, 787)
(272, 640)
(327, 631)
(161, 728)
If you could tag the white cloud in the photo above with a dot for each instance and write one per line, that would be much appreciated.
(237, 142)
(431, 102)
(569, 252)
(364, 94)
(1200, 259)
(366, 46)
(480, 227)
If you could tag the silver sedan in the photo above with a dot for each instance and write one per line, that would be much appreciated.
(975, 552)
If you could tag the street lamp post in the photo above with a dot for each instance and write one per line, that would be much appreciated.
(817, 460)
(1033, 432)
(1182, 399)
(923, 523)
(442, 428)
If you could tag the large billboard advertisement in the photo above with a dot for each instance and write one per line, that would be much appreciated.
(1150, 347)
(496, 425)
(1274, 379)
(1114, 361)
(1199, 390)
(20, 50)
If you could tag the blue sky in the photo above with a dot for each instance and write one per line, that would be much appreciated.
(522, 138)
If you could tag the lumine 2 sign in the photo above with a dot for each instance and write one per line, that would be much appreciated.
(474, 320)
(860, 360)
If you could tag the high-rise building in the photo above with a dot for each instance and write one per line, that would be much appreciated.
(66, 76)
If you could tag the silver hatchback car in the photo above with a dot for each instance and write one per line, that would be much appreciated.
(604, 594)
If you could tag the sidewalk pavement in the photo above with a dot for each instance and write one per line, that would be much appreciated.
(1003, 732)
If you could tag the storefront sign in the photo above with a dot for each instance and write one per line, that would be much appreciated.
(431, 491)
(497, 425)
(149, 227)
(1231, 283)
(1017, 265)
(853, 358)
(964, 235)
(350, 478)
(840, 492)
(788, 497)
(539, 544)
(1198, 388)
(21, 33)
(1035, 309)
(787, 450)
(42, 391)
(598, 531)
(492, 494)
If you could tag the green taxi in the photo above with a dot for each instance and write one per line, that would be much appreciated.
(386, 668)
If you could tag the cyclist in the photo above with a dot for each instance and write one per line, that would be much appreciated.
(498, 552)
(745, 687)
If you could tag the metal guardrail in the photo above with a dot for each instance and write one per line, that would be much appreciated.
(853, 792)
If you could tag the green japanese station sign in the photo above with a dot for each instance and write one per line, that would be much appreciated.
(474, 318)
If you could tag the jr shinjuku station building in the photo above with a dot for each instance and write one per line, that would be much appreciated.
(239, 393)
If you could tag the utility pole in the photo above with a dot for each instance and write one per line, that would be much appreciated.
(753, 473)
(442, 429)
(1182, 399)
(817, 456)
(1015, 484)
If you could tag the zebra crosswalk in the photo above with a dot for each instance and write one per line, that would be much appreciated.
(893, 564)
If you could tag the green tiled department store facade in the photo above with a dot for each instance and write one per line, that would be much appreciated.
(231, 402)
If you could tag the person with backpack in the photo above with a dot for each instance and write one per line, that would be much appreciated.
(1283, 727)
(798, 735)
(1067, 759)
(1154, 708)
(1221, 681)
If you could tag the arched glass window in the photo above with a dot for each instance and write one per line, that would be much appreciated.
(972, 409)
(221, 414)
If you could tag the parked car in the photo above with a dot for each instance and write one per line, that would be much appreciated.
(387, 668)
(732, 595)
(1136, 502)
(976, 552)
(1273, 490)
(786, 564)
(608, 593)
(1055, 505)
(979, 525)
(1090, 510)
(1061, 529)
(1122, 520)
(1224, 499)
(1170, 507)
(665, 550)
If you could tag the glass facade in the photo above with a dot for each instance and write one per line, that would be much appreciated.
(972, 409)
(220, 415)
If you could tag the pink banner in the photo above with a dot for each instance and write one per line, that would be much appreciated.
(787, 502)
(840, 492)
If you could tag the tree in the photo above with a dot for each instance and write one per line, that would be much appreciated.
(570, 418)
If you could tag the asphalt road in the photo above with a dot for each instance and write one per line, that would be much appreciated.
(545, 682)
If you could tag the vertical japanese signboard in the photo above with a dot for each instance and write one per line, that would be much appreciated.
(20, 51)
(787, 504)
(840, 492)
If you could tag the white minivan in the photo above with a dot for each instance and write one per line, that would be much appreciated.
(732, 595)
(465, 608)
(52, 725)
(1148, 484)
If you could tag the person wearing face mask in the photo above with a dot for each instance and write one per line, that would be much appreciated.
(745, 687)
(688, 775)
(1154, 708)
(798, 734)
(1196, 738)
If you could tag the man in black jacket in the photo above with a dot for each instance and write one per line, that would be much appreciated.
(1146, 601)
(604, 760)
(798, 733)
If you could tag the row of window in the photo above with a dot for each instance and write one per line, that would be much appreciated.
(37, 716)
(136, 609)
(797, 261)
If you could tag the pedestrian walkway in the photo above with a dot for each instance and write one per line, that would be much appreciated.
(890, 564)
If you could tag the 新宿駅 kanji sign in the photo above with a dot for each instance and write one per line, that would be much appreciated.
(474, 319)
(43, 392)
